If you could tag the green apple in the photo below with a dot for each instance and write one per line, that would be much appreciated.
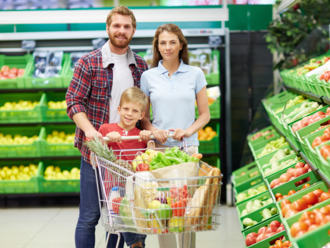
(164, 211)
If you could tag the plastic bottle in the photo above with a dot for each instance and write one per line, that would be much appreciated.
(114, 194)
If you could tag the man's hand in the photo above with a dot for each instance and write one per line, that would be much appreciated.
(160, 135)
(179, 134)
(145, 135)
(90, 134)
(114, 137)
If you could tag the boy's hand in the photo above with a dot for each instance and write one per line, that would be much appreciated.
(145, 135)
(160, 135)
(114, 137)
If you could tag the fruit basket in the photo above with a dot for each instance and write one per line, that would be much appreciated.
(210, 146)
(55, 110)
(17, 186)
(56, 145)
(21, 107)
(63, 178)
(51, 82)
(19, 146)
(20, 62)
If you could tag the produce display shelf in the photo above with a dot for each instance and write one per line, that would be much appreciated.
(309, 162)
(305, 94)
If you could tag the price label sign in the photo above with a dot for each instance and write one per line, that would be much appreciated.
(215, 40)
(28, 44)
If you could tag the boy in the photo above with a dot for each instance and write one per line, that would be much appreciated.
(131, 109)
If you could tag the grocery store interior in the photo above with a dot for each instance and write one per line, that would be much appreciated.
(267, 68)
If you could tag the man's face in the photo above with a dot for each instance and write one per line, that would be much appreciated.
(120, 30)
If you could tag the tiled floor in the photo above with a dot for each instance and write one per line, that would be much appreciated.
(54, 228)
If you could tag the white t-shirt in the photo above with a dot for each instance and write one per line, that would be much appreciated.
(122, 79)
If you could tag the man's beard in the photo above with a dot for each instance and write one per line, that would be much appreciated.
(119, 44)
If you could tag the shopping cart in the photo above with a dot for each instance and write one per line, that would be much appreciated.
(139, 203)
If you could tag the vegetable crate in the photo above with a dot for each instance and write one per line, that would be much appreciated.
(26, 112)
(295, 184)
(259, 153)
(52, 82)
(54, 111)
(59, 148)
(59, 184)
(265, 243)
(266, 159)
(214, 109)
(264, 197)
(293, 137)
(270, 131)
(24, 149)
(315, 238)
(246, 169)
(320, 185)
(270, 169)
(246, 180)
(324, 166)
(20, 62)
(254, 146)
(19, 186)
(256, 192)
(211, 146)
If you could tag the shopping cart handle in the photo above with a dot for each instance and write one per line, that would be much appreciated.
(134, 137)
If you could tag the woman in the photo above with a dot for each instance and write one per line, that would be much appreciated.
(172, 86)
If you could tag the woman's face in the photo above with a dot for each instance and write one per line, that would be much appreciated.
(169, 46)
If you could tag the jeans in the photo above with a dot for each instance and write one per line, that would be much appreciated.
(89, 214)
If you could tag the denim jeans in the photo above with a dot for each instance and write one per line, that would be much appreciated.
(89, 214)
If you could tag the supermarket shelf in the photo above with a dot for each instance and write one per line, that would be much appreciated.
(293, 146)
(310, 163)
(305, 94)
(324, 178)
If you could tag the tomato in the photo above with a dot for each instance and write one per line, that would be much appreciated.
(319, 218)
(284, 202)
(286, 243)
(310, 222)
(300, 171)
(285, 196)
(325, 196)
(285, 177)
(291, 171)
(291, 192)
(299, 205)
(325, 210)
(285, 208)
(250, 241)
(278, 243)
(271, 229)
(261, 237)
(300, 165)
(290, 213)
(262, 230)
(300, 233)
(269, 235)
(280, 195)
(307, 215)
(280, 229)
(312, 227)
(310, 198)
(298, 227)
(325, 151)
(253, 234)
(275, 223)
(306, 186)
(318, 192)
(326, 219)
(274, 183)
(280, 198)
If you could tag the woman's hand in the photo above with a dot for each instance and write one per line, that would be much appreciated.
(145, 135)
(114, 137)
(180, 133)
(160, 135)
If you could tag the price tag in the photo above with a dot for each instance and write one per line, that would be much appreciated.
(98, 43)
(28, 44)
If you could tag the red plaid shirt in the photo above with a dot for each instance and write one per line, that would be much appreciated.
(89, 92)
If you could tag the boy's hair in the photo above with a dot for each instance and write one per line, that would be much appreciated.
(134, 95)
(121, 10)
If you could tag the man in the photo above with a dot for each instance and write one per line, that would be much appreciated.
(93, 96)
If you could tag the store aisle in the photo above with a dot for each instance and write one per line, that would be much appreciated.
(54, 228)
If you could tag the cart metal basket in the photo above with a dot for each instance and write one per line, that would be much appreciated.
(139, 203)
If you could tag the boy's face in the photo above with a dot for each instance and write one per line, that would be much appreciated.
(129, 114)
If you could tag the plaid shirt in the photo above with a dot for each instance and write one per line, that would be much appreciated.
(89, 90)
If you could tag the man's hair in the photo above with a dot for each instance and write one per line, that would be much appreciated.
(171, 28)
(134, 95)
(121, 10)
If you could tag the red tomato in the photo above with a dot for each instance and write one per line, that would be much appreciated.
(261, 237)
(271, 229)
(274, 183)
(325, 210)
(299, 205)
(307, 215)
(325, 151)
(285, 196)
(312, 227)
(300, 171)
(286, 208)
(250, 241)
(280, 229)
(318, 192)
(275, 223)
(280, 195)
(300, 165)
(298, 227)
(326, 136)
(310, 222)
(325, 196)
(291, 192)
(306, 186)
(290, 213)
(280, 198)
(307, 166)
(300, 233)
(284, 202)
(326, 219)
(252, 235)
(285, 177)
(291, 171)
(310, 198)
(319, 218)
(262, 230)
(269, 235)
(5, 68)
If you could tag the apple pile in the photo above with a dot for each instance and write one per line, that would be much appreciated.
(292, 173)
(310, 199)
(142, 160)
(264, 233)
(310, 220)
(6, 72)
(310, 120)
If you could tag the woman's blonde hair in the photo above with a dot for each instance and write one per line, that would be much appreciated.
(134, 95)
(171, 28)
(121, 10)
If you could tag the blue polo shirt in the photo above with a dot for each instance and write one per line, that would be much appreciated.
(173, 99)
